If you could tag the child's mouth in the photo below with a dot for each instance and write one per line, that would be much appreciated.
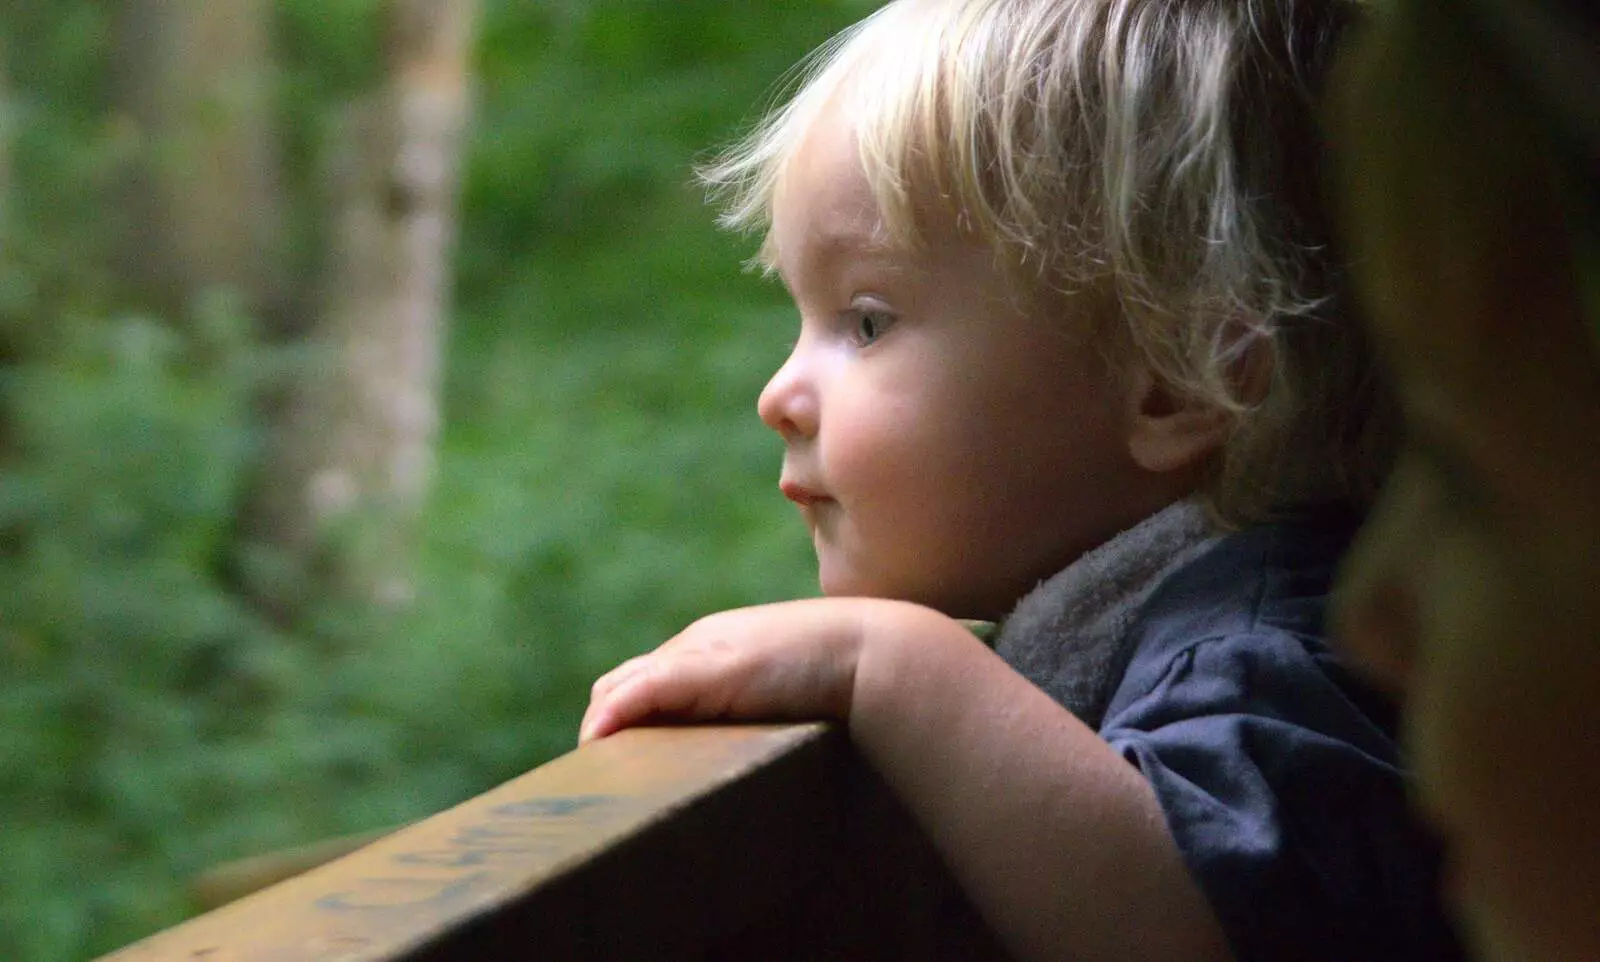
(799, 494)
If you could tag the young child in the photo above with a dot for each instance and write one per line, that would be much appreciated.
(1471, 169)
(1071, 359)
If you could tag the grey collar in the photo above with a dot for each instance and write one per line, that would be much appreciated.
(1070, 635)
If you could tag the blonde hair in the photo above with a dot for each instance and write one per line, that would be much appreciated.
(1164, 153)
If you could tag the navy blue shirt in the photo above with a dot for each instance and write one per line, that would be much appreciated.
(1277, 769)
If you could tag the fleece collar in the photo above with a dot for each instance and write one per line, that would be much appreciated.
(1071, 635)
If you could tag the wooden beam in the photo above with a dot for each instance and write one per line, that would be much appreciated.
(770, 842)
(234, 880)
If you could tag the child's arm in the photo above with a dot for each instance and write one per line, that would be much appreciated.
(1058, 840)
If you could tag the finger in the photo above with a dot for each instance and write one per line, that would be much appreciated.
(687, 687)
(626, 703)
(592, 726)
(616, 676)
(606, 683)
(601, 690)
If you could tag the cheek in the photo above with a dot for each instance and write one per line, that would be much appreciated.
(1504, 728)
(875, 444)
(1509, 766)
(903, 430)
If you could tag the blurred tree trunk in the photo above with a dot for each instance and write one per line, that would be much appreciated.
(352, 453)
(5, 134)
(193, 81)
(8, 346)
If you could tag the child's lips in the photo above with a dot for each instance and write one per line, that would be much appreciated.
(800, 494)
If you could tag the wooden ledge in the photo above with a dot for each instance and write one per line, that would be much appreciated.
(729, 842)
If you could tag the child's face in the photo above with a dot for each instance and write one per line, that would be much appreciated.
(1473, 586)
(946, 444)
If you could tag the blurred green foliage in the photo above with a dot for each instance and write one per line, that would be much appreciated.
(602, 476)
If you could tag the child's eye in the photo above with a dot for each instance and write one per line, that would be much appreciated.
(870, 325)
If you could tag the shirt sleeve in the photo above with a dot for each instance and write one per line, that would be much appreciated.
(1287, 801)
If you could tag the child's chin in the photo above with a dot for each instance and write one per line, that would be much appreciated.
(838, 582)
(835, 587)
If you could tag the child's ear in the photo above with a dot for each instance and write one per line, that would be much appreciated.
(1169, 431)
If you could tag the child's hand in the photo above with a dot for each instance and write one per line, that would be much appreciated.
(794, 660)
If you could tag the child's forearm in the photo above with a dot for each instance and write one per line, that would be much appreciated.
(1059, 841)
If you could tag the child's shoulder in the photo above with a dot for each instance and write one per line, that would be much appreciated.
(1267, 756)
(1255, 600)
(1265, 577)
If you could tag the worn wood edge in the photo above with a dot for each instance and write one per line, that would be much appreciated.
(446, 881)
(233, 880)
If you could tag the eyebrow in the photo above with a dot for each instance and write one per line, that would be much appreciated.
(832, 247)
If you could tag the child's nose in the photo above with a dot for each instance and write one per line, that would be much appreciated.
(788, 404)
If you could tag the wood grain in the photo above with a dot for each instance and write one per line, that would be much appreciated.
(728, 842)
